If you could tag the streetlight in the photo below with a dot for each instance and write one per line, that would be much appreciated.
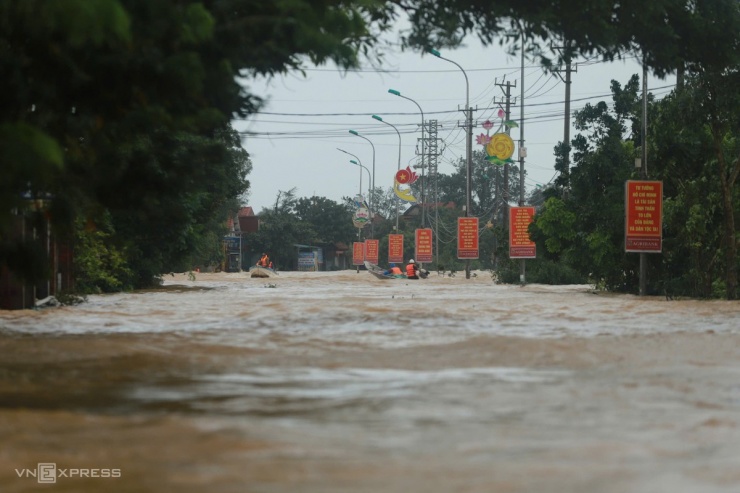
(423, 182)
(370, 207)
(468, 144)
(359, 164)
(399, 160)
(368, 173)
(371, 201)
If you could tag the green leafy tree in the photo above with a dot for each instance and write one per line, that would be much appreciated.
(585, 231)
(331, 222)
(697, 153)
(663, 34)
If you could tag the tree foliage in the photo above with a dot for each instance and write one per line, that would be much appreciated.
(690, 136)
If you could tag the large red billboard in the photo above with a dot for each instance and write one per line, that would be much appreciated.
(371, 251)
(467, 237)
(520, 245)
(643, 224)
(358, 253)
(423, 251)
(395, 248)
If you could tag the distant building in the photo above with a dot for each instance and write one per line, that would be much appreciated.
(234, 246)
(248, 222)
(32, 228)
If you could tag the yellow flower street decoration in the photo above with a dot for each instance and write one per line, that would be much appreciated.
(500, 146)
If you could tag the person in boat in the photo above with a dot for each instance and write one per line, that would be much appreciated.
(264, 260)
(393, 271)
(412, 270)
(271, 266)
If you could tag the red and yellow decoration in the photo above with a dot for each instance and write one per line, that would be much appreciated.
(404, 177)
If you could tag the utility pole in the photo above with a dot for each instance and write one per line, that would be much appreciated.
(566, 130)
(432, 154)
(522, 154)
(507, 194)
(468, 126)
(643, 172)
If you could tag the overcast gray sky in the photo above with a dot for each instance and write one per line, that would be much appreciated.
(293, 142)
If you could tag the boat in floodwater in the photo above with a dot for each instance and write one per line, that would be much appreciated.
(259, 271)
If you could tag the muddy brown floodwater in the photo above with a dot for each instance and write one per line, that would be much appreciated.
(339, 382)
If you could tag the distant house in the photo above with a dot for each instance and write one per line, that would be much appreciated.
(336, 256)
(234, 247)
(248, 222)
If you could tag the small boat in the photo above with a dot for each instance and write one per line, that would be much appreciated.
(379, 272)
(259, 271)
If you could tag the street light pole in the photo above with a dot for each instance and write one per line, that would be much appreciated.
(372, 190)
(399, 161)
(368, 174)
(423, 181)
(360, 164)
(468, 145)
(359, 230)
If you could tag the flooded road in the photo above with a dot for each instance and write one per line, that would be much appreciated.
(339, 382)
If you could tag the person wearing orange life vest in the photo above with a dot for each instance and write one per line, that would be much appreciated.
(412, 270)
(393, 271)
(264, 261)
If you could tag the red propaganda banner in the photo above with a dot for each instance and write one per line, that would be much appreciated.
(520, 246)
(395, 248)
(423, 245)
(358, 253)
(643, 208)
(467, 237)
(371, 251)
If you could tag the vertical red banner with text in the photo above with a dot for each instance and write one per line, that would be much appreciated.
(395, 248)
(643, 224)
(371, 251)
(423, 251)
(358, 253)
(520, 246)
(467, 237)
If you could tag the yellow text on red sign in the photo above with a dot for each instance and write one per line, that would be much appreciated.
(395, 248)
(467, 237)
(423, 245)
(643, 224)
(358, 253)
(371, 250)
(520, 245)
